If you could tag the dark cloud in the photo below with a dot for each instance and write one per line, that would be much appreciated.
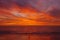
(55, 13)
(21, 3)
(37, 4)
(5, 3)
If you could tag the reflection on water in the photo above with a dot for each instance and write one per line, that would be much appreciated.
(30, 33)
(29, 36)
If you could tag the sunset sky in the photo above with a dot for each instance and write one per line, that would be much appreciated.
(29, 12)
